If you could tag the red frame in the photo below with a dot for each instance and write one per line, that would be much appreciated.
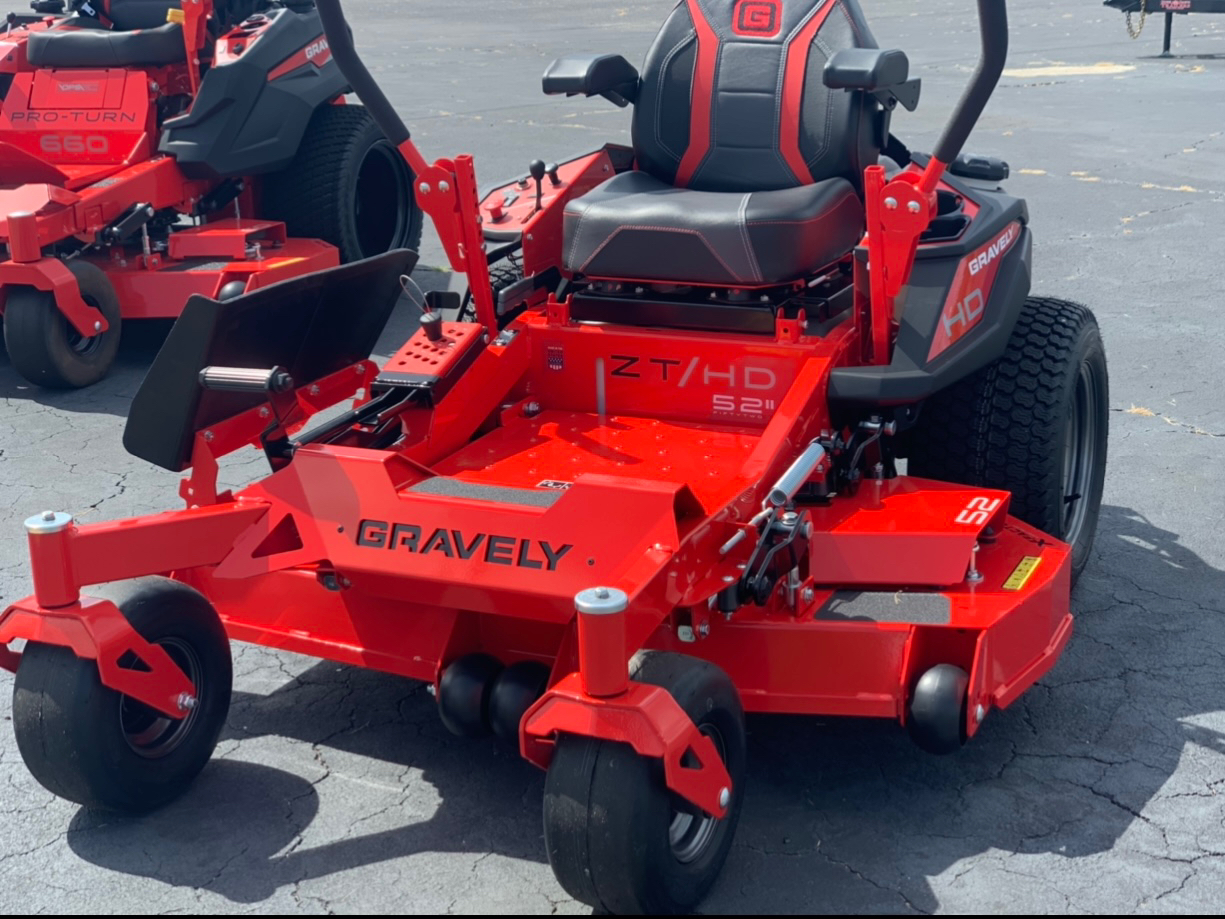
(661, 446)
(56, 186)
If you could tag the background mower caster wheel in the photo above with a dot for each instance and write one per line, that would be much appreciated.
(515, 691)
(617, 839)
(937, 716)
(43, 345)
(97, 747)
(463, 694)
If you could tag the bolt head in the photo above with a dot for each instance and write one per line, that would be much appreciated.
(186, 702)
(208, 435)
(48, 515)
(444, 186)
(808, 594)
(725, 797)
(891, 204)
(979, 714)
(424, 188)
(914, 207)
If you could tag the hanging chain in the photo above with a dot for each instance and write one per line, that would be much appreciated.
(1134, 31)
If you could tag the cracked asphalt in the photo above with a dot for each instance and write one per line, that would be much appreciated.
(1103, 790)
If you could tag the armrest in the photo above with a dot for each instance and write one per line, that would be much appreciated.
(607, 75)
(885, 74)
(869, 69)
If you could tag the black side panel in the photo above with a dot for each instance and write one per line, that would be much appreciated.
(910, 378)
(312, 326)
(253, 109)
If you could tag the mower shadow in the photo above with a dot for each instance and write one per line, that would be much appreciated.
(839, 816)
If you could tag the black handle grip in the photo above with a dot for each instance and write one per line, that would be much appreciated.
(993, 27)
(340, 41)
(242, 379)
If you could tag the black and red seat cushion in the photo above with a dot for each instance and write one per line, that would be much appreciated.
(139, 36)
(732, 102)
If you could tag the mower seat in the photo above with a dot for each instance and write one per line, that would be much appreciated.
(81, 41)
(637, 226)
(749, 168)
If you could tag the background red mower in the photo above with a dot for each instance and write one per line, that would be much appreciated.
(151, 150)
(640, 494)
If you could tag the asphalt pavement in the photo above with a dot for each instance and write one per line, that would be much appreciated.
(1103, 790)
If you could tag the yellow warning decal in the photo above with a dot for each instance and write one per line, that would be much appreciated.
(1022, 573)
(176, 16)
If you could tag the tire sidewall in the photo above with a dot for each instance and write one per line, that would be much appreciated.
(1089, 349)
(707, 696)
(101, 769)
(366, 143)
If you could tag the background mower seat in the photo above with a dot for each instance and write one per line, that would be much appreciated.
(636, 226)
(749, 166)
(81, 41)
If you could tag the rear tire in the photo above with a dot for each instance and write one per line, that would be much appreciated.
(617, 839)
(43, 345)
(97, 747)
(347, 185)
(1034, 423)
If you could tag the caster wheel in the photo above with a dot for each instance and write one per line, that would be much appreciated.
(616, 838)
(100, 748)
(514, 692)
(46, 349)
(937, 716)
(463, 694)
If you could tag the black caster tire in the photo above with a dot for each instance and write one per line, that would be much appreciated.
(1034, 422)
(514, 691)
(617, 839)
(464, 692)
(43, 345)
(937, 715)
(347, 185)
(99, 748)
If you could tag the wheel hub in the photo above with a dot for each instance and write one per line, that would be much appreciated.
(690, 832)
(148, 732)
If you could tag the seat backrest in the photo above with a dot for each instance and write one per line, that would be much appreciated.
(732, 96)
(129, 15)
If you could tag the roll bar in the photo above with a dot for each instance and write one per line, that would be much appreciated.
(340, 42)
(993, 29)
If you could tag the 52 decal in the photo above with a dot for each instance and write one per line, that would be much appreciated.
(979, 511)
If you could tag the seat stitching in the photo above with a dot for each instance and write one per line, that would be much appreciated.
(578, 232)
(778, 90)
(659, 92)
(742, 218)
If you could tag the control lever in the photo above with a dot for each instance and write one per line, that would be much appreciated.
(538, 170)
(553, 172)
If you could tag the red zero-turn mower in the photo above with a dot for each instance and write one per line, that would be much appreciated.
(651, 485)
(155, 149)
